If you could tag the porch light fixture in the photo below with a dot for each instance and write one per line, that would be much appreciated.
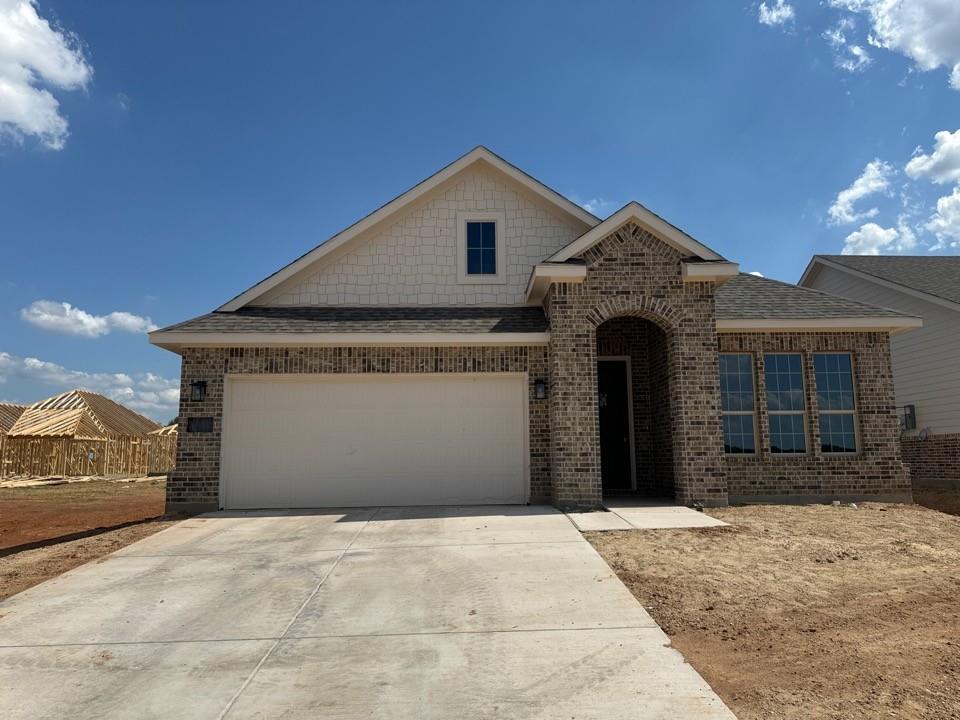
(198, 391)
(540, 389)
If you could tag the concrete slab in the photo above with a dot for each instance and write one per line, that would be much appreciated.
(583, 674)
(149, 599)
(154, 680)
(470, 588)
(654, 516)
(598, 521)
(457, 525)
(292, 532)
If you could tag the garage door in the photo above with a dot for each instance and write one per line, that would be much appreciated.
(360, 440)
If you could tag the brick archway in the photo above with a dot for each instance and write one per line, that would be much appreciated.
(649, 308)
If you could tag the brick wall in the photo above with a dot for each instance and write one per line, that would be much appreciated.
(631, 273)
(875, 470)
(934, 462)
(195, 481)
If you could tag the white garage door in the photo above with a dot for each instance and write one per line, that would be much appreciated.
(358, 440)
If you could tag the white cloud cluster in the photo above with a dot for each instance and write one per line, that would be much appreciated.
(943, 164)
(926, 31)
(848, 56)
(34, 56)
(598, 206)
(147, 393)
(945, 222)
(64, 318)
(875, 178)
(779, 13)
(871, 239)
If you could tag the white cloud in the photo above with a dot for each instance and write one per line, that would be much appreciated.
(779, 13)
(926, 31)
(945, 222)
(943, 164)
(875, 178)
(33, 56)
(755, 273)
(871, 239)
(847, 56)
(144, 392)
(597, 206)
(64, 318)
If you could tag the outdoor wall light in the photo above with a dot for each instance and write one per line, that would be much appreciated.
(540, 389)
(198, 390)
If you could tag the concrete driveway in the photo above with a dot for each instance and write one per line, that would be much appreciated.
(494, 612)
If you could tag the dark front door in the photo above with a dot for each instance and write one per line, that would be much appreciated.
(614, 402)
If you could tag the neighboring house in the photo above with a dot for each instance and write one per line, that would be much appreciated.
(9, 414)
(926, 363)
(483, 339)
(81, 433)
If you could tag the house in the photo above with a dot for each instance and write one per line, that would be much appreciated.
(483, 339)
(926, 363)
(81, 433)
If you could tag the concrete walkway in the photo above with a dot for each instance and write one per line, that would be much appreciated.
(370, 613)
(636, 514)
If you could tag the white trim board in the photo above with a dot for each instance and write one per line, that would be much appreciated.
(893, 325)
(479, 154)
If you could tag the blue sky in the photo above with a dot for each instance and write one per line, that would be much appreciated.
(192, 148)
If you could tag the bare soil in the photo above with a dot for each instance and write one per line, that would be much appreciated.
(944, 500)
(812, 611)
(38, 514)
(24, 569)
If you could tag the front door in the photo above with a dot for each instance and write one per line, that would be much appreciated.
(613, 384)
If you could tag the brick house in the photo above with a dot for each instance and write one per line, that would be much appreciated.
(482, 339)
(926, 363)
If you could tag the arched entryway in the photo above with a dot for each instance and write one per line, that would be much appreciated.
(634, 408)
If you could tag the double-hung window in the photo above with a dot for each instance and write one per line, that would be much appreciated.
(834, 376)
(783, 374)
(737, 403)
(481, 248)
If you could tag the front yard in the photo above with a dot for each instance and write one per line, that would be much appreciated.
(809, 612)
(45, 531)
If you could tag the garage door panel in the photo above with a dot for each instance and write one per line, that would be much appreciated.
(374, 440)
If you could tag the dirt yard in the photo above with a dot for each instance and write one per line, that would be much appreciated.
(809, 612)
(46, 531)
(32, 514)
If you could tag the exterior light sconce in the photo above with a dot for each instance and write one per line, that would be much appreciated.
(198, 391)
(540, 389)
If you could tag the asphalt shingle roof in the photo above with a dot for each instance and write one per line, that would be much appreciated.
(369, 320)
(751, 297)
(938, 276)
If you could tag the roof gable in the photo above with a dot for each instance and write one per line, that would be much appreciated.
(478, 157)
(935, 278)
(637, 213)
(9, 414)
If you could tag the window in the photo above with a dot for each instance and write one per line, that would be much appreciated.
(737, 403)
(481, 248)
(785, 402)
(834, 377)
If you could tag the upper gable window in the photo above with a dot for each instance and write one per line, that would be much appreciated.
(481, 247)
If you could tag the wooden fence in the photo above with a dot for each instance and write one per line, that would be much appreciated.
(42, 456)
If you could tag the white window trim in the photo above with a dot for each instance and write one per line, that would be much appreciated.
(855, 412)
(804, 412)
(752, 413)
(499, 218)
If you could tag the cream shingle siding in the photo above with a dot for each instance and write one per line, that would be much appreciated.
(414, 260)
(926, 361)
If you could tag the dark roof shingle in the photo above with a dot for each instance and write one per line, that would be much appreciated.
(938, 275)
(333, 319)
(751, 297)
